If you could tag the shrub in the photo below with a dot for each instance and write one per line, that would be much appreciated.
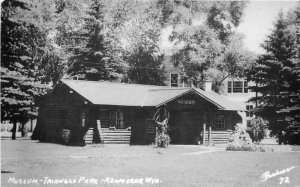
(248, 147)
(258, 128)
(162, 140)
(239, 136)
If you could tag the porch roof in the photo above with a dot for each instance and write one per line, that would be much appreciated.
(121, 94)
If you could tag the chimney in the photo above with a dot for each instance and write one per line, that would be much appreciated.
(208, 85)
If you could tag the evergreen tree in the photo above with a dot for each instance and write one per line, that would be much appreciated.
(21, 49)
(277, 79)
(95, 61)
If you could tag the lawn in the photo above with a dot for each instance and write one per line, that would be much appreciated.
(174, 166)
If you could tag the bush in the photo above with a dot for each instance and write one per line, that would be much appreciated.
(162, 140)
(258, 128)
(241, 141)
(248, 147)
(240, 136)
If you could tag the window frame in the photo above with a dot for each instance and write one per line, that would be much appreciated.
(117, 119)
(220, 121)
(233, 88)
(248, 110)
(172, 84)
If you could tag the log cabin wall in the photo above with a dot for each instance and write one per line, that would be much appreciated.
(139, 119)
(65, 109)
(188, 114)
(62, 109)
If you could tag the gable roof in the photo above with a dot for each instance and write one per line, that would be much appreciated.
(121, 94)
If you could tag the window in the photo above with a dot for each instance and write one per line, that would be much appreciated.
(248, 123)
(237, 87)
(83, 118)
(117, 119)
(229, 86)
(245, 87)
(220, 123)
(249, 112)
(174, 79)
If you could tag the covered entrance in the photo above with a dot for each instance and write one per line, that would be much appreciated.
(183, 127)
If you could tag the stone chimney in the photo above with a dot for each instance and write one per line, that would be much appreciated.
(208, 85)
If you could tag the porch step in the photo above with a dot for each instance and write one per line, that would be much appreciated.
(116, 142)
(219, 137)
(118, 136)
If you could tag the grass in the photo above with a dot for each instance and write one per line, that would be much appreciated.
(174, 166)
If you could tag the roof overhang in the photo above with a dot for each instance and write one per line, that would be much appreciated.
(194, 91)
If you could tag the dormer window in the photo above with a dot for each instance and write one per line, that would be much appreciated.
(237, 87)
(174, 79)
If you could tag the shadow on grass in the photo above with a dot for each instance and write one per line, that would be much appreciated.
(3, 171)
(80, 144)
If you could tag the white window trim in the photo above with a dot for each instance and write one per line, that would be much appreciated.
(248, 114)
(243, 86)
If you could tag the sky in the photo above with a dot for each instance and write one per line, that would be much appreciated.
(258, 21)
(256, 24)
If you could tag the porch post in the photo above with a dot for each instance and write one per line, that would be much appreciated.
(209, 136)
(100, 131)
(204, 128)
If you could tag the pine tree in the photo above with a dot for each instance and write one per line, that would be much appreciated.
(95, 61)
(20, 50)
(276, 75)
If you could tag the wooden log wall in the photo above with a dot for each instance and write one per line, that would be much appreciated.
(143, 127)
(53, 119)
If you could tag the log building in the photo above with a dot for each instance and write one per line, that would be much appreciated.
(83, 112)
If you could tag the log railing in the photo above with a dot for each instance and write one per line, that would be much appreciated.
(211, 137)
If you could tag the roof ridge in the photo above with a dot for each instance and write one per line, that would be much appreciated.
(171, 88)
(109, 82)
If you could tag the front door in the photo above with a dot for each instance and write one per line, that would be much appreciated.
(117, 119)
(182, 127)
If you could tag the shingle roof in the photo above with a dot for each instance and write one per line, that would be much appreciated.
(107, 93)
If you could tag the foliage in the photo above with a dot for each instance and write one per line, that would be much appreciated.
(207, 48)
(240, 136)
(248, 147)
(93, 61)
(223, 16)
(22, 43)
(277, 78)
(258, 128)
(197, 52)
(162, 140)
(64, 34)
(241, 141)
(258, 148)
(139, 35)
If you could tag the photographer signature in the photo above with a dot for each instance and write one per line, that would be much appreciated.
(267, 175)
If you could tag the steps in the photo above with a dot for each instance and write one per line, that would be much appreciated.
(219, 137)
(118, 136)
(88, 139)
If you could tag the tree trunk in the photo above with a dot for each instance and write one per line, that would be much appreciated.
(31, 125)
(13, 130)
(24, 130)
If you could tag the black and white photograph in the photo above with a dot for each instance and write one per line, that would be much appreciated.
(148, 93)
